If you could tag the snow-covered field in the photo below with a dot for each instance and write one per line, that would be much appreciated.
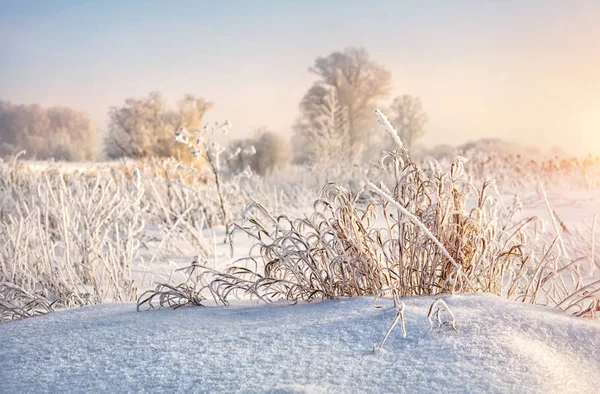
(501, 347)
(150, 221)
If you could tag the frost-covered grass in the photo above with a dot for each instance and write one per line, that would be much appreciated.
(404, 226)
(439, 232)
(103, 233)
(500, 347)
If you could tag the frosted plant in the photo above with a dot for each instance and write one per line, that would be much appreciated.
(203, 145)
(383, 120)
(67, 241)
(187, 293)
(408, 118)
(425, 230)
(440, 315)
(400, 308)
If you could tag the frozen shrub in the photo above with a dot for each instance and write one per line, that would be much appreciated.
(272, 152)
(263, 154)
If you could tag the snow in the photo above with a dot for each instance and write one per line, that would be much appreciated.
(501, 346)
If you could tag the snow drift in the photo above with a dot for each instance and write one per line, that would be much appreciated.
(501, 346)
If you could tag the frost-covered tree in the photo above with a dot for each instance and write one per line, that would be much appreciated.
(358, 83)
(328, 134)
(145, 127)
(60, 133)
(408, 118)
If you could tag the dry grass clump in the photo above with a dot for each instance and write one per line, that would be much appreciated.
(327, 255)
(187, 293)
(16, 303)
(202, 281)
(425, 243)
(340, 251)
(66, 243)
(437, 233)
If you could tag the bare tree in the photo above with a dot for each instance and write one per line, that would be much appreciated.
(145, 127)
(358, 84)
(408, 118)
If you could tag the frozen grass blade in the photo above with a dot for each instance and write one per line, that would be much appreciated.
(435, 314)
(400, 308)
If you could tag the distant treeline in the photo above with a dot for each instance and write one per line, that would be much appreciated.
(58, 132)
(335, 122)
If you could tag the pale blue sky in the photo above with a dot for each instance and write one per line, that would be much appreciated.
(527, 71)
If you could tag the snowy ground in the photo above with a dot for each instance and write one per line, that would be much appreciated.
(501, 347)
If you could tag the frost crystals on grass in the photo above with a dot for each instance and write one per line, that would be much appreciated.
(436, 312)
(400, 308)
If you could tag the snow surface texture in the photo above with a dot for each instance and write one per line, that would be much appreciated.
(501, 347)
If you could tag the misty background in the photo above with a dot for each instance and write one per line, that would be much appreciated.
(528, 73)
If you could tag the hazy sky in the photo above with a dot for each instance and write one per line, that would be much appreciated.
(526, 71)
